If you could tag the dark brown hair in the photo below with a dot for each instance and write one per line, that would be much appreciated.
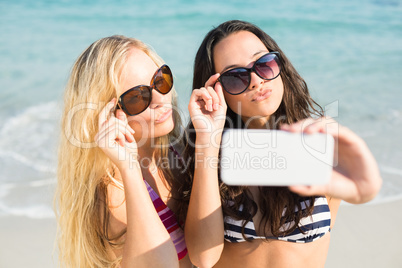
(296, 105)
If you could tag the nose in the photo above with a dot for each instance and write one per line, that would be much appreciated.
(159, 99)
(255, 81)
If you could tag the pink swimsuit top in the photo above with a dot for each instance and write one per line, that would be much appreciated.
(170, 222)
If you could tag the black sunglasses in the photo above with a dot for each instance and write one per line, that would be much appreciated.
(137, 99)
(236, 81)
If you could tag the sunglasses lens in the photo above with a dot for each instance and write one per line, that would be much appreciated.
(267, 66)
(163, 80)
(235, 81)
(137, 100)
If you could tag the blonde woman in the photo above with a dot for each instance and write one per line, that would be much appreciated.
(116, 181)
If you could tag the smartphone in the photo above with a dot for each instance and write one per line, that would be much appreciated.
(275, 158)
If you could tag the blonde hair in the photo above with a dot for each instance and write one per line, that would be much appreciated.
(83, 169)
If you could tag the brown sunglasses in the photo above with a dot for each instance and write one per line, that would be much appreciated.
(137, 99)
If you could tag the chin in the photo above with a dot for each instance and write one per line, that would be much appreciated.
(262, 112)
(267, 110)
(164, 128)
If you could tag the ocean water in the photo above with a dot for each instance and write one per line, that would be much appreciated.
(349, 52)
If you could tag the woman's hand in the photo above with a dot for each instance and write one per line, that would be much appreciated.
(115, 136)
(355, 177)
(207, 109)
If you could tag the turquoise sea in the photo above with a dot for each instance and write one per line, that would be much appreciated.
(349, 52)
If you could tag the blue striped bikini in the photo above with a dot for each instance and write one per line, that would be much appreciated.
(314, 226)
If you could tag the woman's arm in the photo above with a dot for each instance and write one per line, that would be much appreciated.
(355, 177)
(204, 230)
(147, 242)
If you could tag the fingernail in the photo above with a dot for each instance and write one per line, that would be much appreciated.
(216, 106)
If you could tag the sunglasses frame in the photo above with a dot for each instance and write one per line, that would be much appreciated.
(121, 104)
(252, 69)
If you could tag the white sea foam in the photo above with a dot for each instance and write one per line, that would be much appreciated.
(391, 170)
(5, 187)
(28, 140)
(378, 200)
(36, 165)
(29, 137)
(33, 211)
(40, 183)
(42, 208)
(41, 113)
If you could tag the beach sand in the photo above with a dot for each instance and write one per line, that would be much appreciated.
(367, 236)
(363, 236)
(27, 243)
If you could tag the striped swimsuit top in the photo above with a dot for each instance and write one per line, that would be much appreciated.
(313, 227)
(170, 222)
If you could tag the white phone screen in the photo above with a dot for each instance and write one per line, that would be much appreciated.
(275, 158)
